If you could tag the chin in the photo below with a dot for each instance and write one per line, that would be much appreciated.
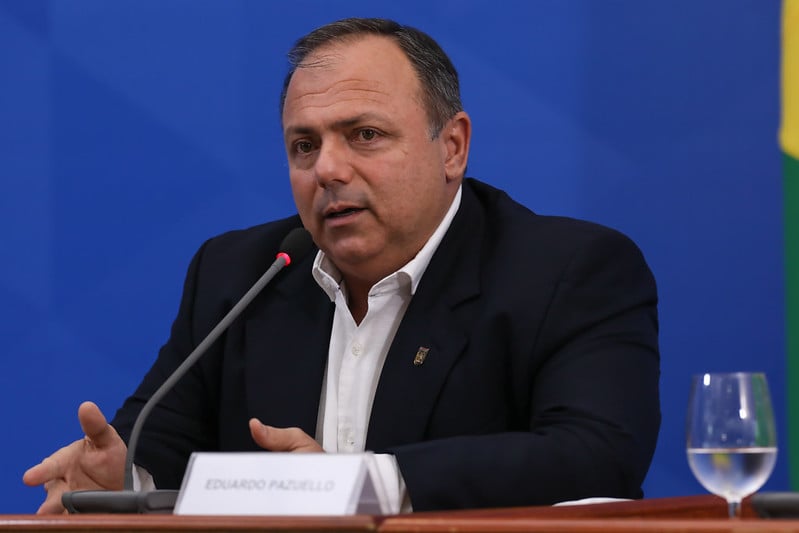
(349, 254)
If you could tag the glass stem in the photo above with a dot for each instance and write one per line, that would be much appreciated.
(734, 507)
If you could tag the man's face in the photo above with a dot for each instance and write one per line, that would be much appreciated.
(369, 183)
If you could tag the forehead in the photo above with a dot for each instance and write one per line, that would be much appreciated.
(365, 70)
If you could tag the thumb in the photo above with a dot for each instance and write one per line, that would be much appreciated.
(95, 426)
(260, 434)
(282, 439)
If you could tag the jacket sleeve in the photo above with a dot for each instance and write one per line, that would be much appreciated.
(184, 421)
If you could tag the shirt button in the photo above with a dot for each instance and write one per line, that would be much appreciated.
(357, 349)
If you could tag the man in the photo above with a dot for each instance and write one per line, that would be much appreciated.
(489, 356)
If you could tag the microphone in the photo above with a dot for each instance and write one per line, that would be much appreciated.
(293, 247)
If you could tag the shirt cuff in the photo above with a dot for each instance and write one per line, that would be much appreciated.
(142, 479)
(391, 489)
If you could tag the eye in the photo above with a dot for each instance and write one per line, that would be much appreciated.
(366, 134)
(303, 147)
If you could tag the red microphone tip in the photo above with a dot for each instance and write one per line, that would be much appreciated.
(285, 256)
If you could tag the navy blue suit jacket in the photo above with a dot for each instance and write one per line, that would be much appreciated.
(540, 384)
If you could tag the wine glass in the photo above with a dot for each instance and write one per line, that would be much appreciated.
(731, 440)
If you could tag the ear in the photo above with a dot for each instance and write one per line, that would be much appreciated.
(456, 136)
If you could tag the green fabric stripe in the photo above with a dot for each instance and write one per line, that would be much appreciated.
(791, 198)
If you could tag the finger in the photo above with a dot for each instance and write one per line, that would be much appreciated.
(52, 504)
(260, 434)
(38, 474)
(282, 439)
(51, 467)
(95, 426)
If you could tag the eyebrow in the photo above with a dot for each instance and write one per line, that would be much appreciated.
(337, 125)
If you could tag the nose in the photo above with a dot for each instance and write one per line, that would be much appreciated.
(332, 164)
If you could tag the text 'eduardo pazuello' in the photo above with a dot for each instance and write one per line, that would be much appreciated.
(309, 485)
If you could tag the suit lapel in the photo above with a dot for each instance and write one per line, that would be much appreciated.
(286, 348)
(288, 334)
(432, 334)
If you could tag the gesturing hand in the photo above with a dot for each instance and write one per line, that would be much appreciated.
(96, 461)
(282, 439)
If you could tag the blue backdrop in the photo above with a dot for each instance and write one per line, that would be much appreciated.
(132, 130)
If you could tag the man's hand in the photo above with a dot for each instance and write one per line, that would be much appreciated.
(282, 439)
(96, 461)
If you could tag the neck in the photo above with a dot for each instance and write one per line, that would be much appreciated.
(358, 299)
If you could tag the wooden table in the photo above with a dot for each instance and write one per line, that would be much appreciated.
(683, 514)
(132, 522)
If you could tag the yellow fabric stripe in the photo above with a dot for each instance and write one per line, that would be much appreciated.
(789, 130)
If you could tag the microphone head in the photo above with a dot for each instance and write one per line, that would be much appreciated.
(296, 244)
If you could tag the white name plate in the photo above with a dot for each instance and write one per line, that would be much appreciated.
(270, 483)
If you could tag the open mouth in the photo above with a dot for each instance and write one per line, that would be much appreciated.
(343, 212)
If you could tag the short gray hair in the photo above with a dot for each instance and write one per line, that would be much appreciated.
(437, 75)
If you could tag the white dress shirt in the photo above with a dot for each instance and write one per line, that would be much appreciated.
(356, 355)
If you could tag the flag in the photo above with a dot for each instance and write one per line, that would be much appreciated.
(789, 141)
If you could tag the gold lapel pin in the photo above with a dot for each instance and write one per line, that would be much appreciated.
(421, 353)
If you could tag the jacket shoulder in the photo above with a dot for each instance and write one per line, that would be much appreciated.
(513, 230)
(237, 258)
